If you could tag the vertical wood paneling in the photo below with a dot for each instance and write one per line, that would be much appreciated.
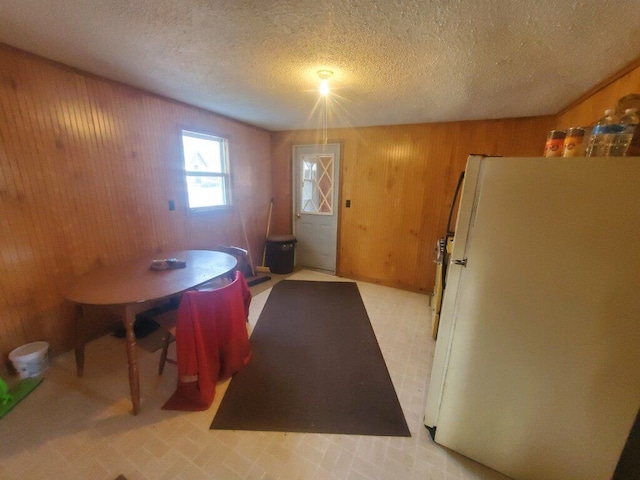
(588, 112)
(400, 180)
(87, 167)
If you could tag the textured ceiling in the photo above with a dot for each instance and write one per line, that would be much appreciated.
(395, 62)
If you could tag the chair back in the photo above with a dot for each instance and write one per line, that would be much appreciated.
(242, 257)
(212, 342)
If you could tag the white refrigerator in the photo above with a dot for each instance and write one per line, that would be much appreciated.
(536, 372)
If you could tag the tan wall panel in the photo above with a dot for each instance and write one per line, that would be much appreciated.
(587, 112)
(87, 167)
(400, 180)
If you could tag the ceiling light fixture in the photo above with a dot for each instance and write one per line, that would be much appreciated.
(324, 76)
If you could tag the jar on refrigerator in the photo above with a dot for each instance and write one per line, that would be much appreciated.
(555, 143)
(574, 142)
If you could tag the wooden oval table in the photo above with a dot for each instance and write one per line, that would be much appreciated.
(131, 288)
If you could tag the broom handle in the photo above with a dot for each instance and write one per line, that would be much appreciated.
(264, 252)
(269, 220)
(246, 241)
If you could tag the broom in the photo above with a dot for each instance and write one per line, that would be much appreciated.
(263, 268)
(254, 279)
(246, 242)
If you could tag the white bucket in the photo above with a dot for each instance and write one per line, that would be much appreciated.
(30, 360)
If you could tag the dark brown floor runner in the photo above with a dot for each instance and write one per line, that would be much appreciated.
(316, 367)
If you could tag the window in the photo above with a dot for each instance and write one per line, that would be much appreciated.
(206, 171)
(317, 191)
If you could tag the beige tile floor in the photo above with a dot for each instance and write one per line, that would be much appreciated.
(71, 428)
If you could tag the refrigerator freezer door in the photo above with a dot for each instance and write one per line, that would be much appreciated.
(445, 329)
(540, 379)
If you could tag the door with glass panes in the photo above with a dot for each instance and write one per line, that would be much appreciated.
(315, 208)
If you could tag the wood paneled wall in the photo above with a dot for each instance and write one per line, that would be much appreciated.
(400, 180)
(87, 167)
(589, 110)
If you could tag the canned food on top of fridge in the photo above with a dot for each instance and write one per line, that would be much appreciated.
(555, 143)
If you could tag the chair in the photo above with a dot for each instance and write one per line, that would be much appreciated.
(244, 265)
(241, 255)
(212, 342)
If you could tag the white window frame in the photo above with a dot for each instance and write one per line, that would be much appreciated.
(224, 175)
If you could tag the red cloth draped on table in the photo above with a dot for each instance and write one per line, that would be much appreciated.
(212, 342)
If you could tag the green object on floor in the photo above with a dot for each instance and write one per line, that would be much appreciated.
(10, 397)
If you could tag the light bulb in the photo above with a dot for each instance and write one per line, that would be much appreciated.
(324, 76)
(324, 87)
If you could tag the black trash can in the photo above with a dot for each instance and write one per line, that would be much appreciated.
(280, 253)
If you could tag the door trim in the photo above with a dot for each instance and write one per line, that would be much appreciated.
(337, 188)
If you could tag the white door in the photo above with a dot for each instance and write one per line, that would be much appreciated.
(315, 208)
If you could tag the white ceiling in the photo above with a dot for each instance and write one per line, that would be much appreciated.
(394, 61)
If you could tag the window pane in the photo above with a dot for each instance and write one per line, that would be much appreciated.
(317, 186)
(205, 191)
(203, 153)
(206, 170)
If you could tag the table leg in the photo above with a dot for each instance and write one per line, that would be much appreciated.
(80, 340)
(129, 319)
